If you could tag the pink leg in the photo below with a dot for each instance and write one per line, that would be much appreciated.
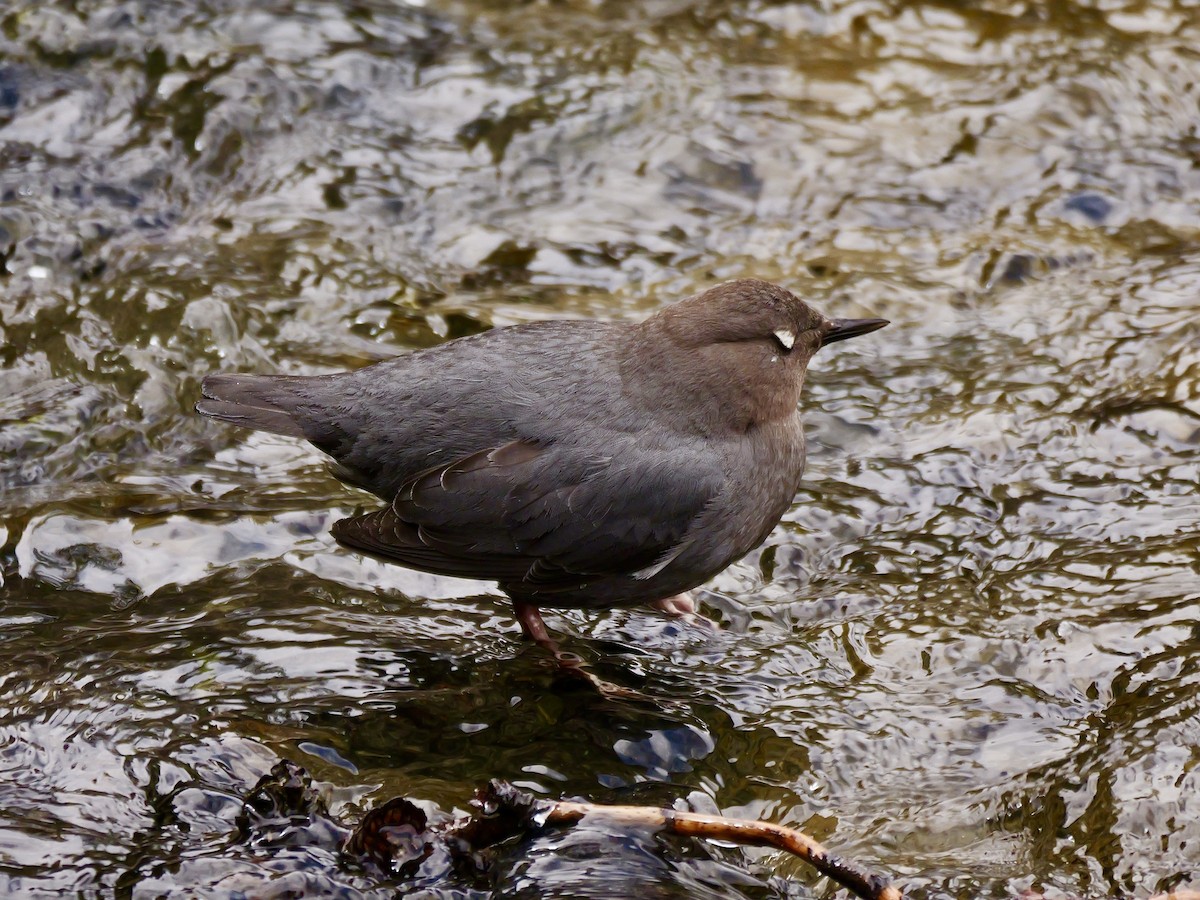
(531, 622)
(568, 664)
(535, 629)
(679, 605)
(682, 606)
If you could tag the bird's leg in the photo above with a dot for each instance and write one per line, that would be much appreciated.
(679, 605)
(569, 665)
(534, 627)
(682, 606)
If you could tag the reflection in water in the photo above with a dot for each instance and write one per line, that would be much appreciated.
(969, 654)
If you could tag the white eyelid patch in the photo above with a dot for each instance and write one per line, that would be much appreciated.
(787, 338)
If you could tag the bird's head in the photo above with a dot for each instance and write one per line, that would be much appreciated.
(744, 346)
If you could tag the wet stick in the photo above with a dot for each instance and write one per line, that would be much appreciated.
(740, 831)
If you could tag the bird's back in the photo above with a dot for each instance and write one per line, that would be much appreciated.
(385, 423)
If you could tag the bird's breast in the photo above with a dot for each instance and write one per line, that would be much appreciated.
(763, 472)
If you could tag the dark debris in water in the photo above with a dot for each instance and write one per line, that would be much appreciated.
(393, 837)
(285, 810)
(398, 840)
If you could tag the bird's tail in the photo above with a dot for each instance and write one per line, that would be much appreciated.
(264, 402)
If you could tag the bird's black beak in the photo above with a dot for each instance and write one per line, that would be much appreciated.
(840, 329)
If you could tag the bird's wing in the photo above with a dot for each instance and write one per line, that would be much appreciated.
(549, 517)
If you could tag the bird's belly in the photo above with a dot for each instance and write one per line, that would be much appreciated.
(759, 490)
(753, 509)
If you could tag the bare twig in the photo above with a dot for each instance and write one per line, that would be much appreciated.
(687, 824)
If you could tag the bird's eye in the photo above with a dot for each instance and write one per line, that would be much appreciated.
(786, 338)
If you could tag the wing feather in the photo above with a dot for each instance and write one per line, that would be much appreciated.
(550, 517)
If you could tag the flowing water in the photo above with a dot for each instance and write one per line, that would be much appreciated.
(968, 657)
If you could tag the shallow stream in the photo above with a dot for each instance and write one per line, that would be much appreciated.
(969, 656)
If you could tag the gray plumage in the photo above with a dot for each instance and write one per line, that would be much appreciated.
(579, 464)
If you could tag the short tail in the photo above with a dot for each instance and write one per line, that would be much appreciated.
(264, 402)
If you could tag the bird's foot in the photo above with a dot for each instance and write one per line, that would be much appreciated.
(570, 668)
(678, 605)
(568, 665)
(683, 606)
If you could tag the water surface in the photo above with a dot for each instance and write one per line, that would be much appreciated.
(969, 656)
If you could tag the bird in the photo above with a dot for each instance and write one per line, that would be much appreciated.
(580, 464)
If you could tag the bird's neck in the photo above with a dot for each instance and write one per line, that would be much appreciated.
(713, 389)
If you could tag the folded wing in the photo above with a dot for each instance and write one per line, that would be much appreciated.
(549, 517)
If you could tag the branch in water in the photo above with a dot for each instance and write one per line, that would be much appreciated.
(501, 795)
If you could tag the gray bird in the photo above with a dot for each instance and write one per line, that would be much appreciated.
(581, 465)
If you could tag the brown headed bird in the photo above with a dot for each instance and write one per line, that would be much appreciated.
(578, 464)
